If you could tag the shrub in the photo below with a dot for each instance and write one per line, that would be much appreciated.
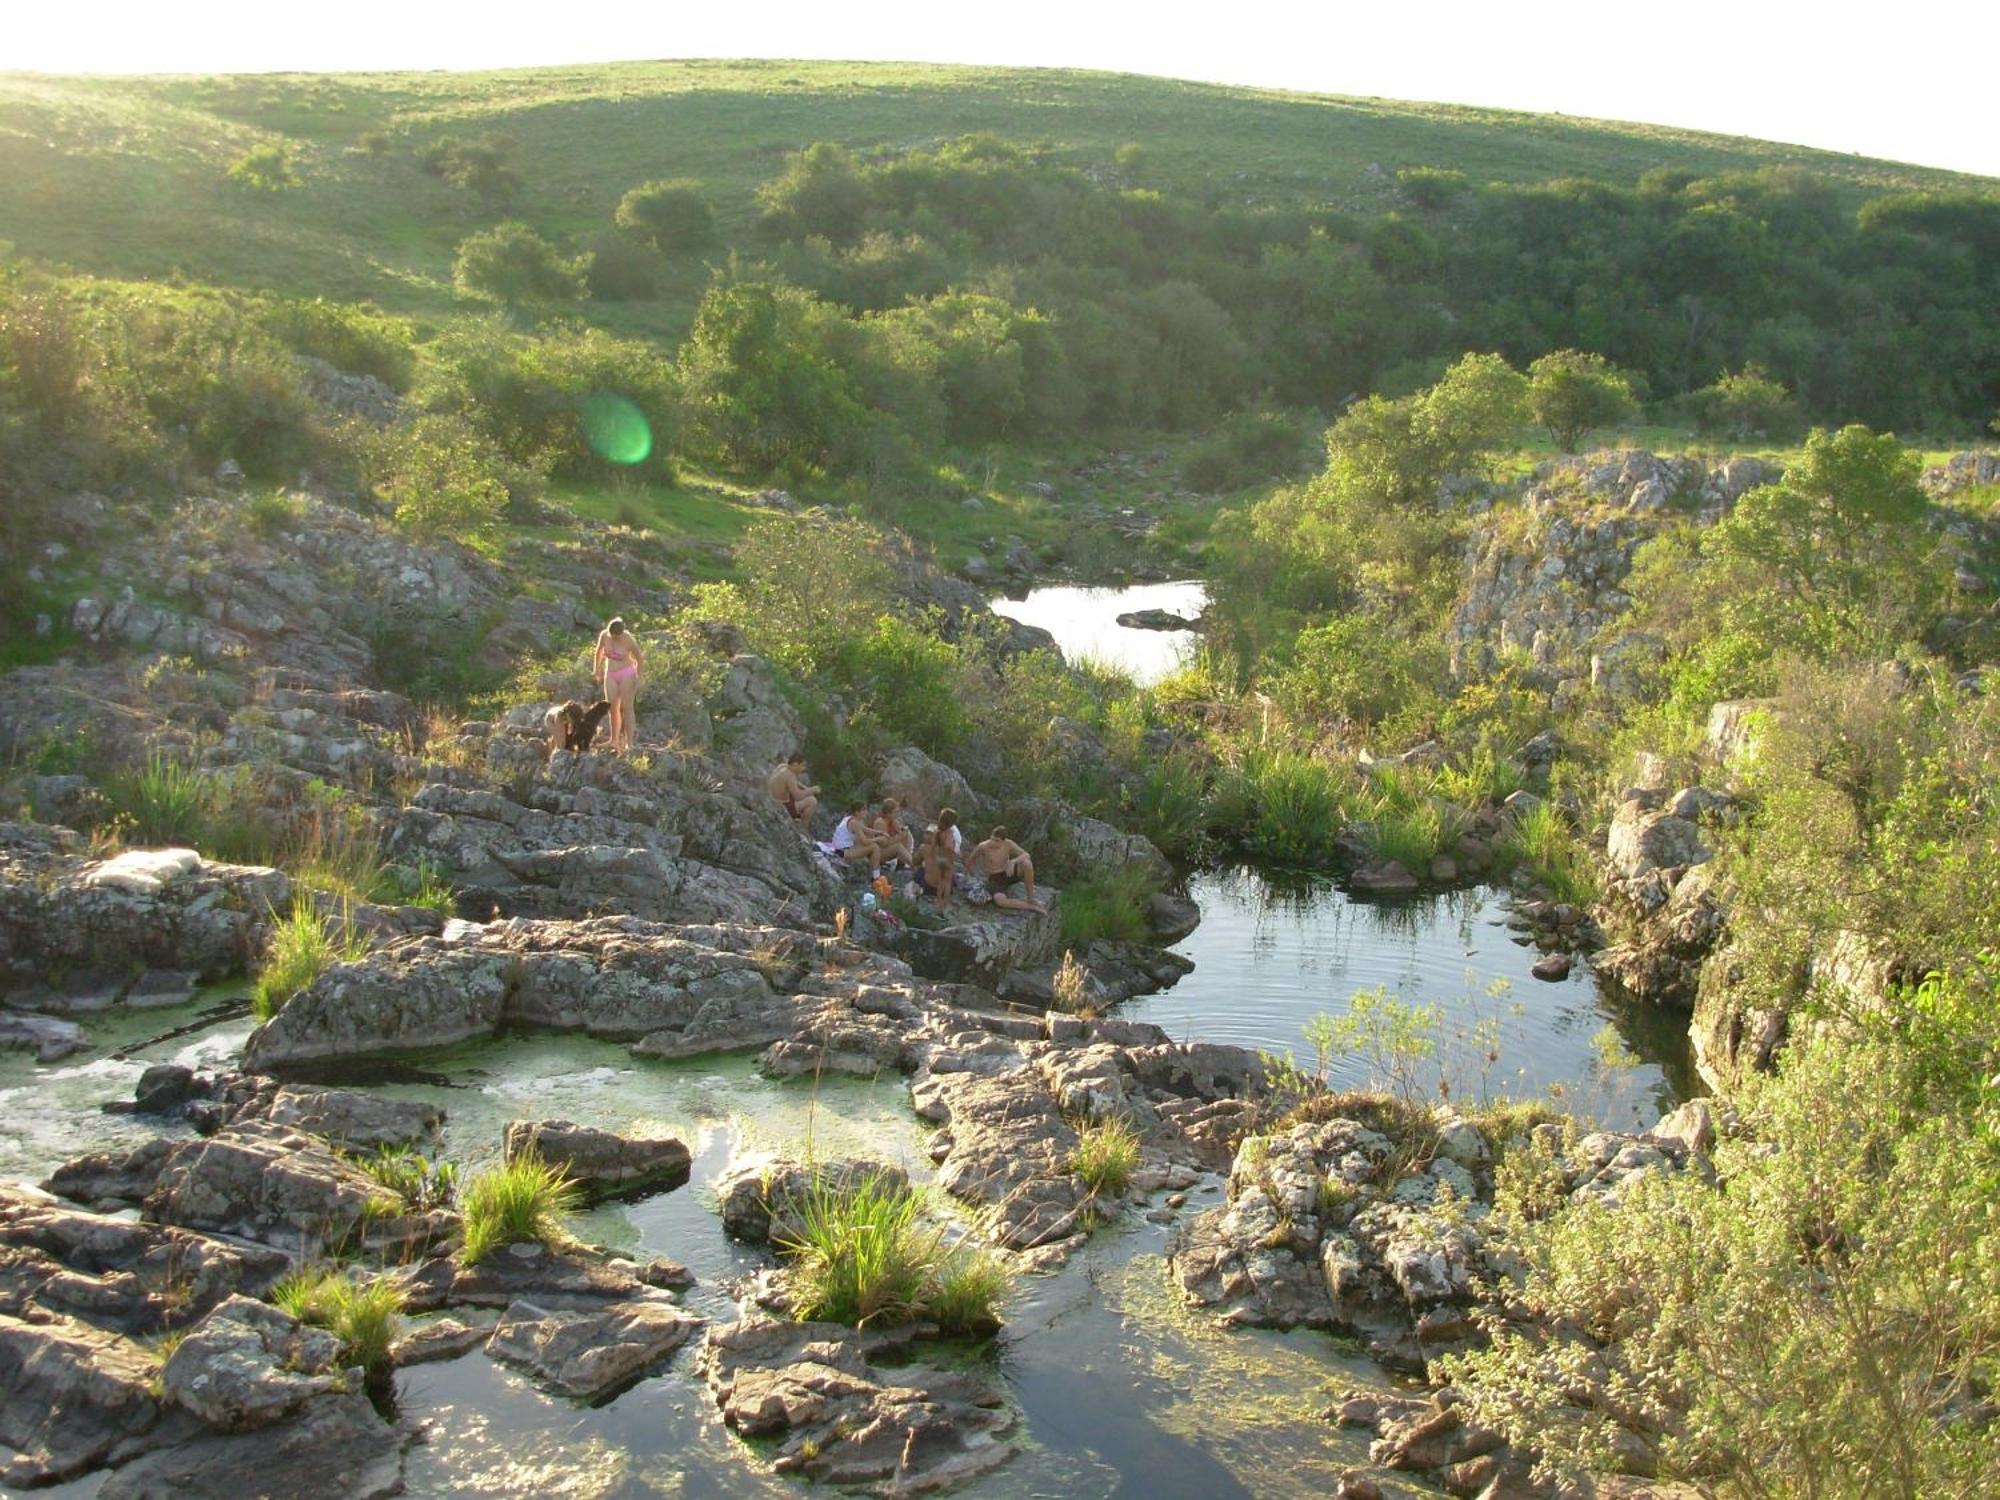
(304, 946)
(863, 1255)
(512, 265)
(443, 477)
(1247, 448)
(1571, 393)
(1106, 901)
(670, 216)
(1106, 1156)
(266, 168)
(1746, 406)
(355, 339)
(483, 166)
(523, 1198)
(1167, 801)
(1287, 808)
(271, 511)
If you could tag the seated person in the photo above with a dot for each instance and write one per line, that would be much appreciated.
(995, 865)
(938, 854)
(892, 835)
(788, 785)
(854, 838)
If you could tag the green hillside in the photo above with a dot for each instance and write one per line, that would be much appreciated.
(126, 177)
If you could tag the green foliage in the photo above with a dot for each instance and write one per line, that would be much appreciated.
(672, 215)
(1571, 393)
(1395, 1039)
(1106, 901)
(483, 167)
(514, 266)
(266, 168)
(1814, 1325)
(864, 1255)
(1352, 669)
(1746, 406)
(167, 800)
(1106, 1156)
(304, 945)
(421, 1184)
(443, 477)
(1167, 801)
(1285, 808)
(1398, 452)
(365, 1315)
(1246, 448)
(1541, 839)
(521, 1199)
(355, 339)
(1410, 832)
(810, 586)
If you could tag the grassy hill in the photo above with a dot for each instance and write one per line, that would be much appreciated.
(125, 177)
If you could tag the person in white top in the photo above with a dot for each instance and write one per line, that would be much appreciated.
(855, 839)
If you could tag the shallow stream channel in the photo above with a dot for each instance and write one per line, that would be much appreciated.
(1119, 1390)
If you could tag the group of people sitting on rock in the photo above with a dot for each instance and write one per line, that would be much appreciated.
(874, 837)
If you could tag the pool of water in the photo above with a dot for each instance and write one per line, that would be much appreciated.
(1084, 622)
(1273, 952)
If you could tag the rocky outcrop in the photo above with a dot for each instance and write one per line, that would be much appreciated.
(603, 1164)
(77, 1398)
(837, 1419)
(981, 945)
(336, 1448)
(141, 928)
(1962, 471)
(247, 1364)
(591, 1356)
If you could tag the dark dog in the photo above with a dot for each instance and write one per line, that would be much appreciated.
(571, 726)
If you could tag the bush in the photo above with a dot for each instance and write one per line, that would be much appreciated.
(1747, 406)
(266, 168)
(522, 1199)
(1540, 838)
(443, 477)
(1106, 901)
(355, 339)
(304, 946)
(864, 1256)
(670, 216)
(1167, 801)
(1285, 808)
(1247, 448)
(483, 166)
(1106, 1156)
(1571, 393)
(512, 265)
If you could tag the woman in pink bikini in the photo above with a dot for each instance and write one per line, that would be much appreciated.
(617, 667)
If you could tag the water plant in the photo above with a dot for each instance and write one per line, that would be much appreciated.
(863, 1253)
(1106, 1156)
(521, 1199)
(304, 945)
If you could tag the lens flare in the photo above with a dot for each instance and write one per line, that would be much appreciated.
(616, 429)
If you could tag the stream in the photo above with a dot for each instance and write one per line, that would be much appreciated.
(1120, 1391)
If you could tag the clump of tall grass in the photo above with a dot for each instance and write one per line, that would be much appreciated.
(364, 1315)
(1106, 1156)
(1106, 901)
(1069, 987)
(304, 945)
(1168, 803)
(420, 1182)
(1286, 808)
(166, 801)
(863, 1254)
(1540, 838)
(523, 1198)
(1480, 778)
(422, 885)
(1411, 834)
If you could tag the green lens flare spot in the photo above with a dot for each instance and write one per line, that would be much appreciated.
(617, 430)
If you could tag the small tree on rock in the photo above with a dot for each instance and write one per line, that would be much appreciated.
(670, 216)
(1572, 392)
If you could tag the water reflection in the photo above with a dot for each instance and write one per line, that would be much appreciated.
(1084, 622)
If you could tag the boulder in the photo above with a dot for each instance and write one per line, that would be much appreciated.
(590, 1355)
(76, 1398)
(924, 787)
(761, 1200)
(247, 1364)
(1383, 877)
(1643, 841)
(602, 1163)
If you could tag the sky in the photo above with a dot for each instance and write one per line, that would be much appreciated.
(1898, 81)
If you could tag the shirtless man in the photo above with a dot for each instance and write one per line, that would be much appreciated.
(998, 863)
(855, 840)
(788, 785)
(892, 835)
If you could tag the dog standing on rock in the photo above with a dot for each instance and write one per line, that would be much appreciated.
(571, 726)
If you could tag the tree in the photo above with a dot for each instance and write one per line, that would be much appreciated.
(1571, 392)
(1746, 405)
(1398, 452)
(668, 215)
(513, 265)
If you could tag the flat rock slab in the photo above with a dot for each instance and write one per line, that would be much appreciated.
(590, 1355)
(76, 1398)
(336, 1449)
(247, 1364)
(603, 1163)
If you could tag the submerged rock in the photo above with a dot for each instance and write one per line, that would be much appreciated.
(590, 1355)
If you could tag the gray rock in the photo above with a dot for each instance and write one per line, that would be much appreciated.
(247, 1364)
(590, 1355)
(77, 1398)
(48, 1038)
(761, 1200)
(1385, 877)
(604, 1164)
(1641, 842)
(337, 1448)
(924, 787)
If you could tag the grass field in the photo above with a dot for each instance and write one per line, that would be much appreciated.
(125, 177)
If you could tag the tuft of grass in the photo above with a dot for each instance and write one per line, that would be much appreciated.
(865, 1255)
(1541, 839)
(1168, 803)
(365, 1315)
(1071, 985)
(1106, 902)
(421, 1183)
(166, 800)
(523, 1198)
(1106, 1156)
(304, 945)
(423, 886)
(1482, 778)
(1287, 808)
(1410, 834)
